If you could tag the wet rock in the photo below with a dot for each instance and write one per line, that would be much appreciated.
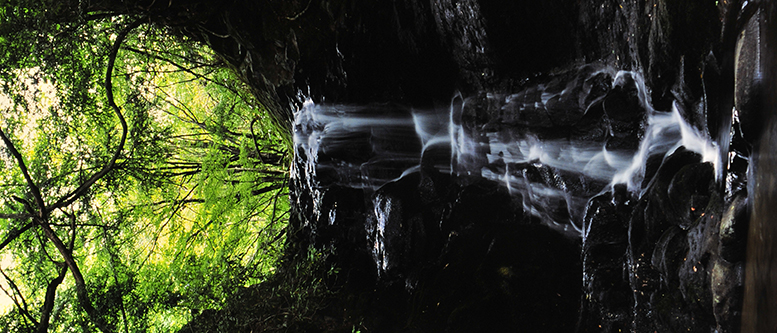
(689, 192)
(676, 30)
(733, 230)
(695, 270)
(596, 87)
(607, 299)
(592, 126)
(513, 273)
(622, 103)
(673, 246)
(750, 88)
(479, 109)
(464, 253)
(624, 113)
(549, 45)
(727, 287)
(671, 165)
(739, 161)
(670, 252)
(525, 108)
(567, 98)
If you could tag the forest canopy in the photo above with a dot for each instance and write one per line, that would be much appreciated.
(142, 183)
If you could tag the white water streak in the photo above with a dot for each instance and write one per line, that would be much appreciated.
(382, 207)
(329, 130)
(666, 132)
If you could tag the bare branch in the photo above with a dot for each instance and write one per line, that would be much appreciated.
(176, 202)
(27, 205)
(95, 225)
(269, 188)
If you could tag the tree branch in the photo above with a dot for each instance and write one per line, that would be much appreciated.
(180, 67)
(73, 196)
(179, 205)
(14, 234)
(86, 225)
(275, 202)
(23, 167)
(48, 303)
(269, 188)
(23, 306)
(253, 137)
(51, 289)
(112, 258)
(100, 16)
(81, 292)
(15, 216)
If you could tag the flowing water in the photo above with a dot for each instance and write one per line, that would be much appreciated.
(571, 184)
(554, 176)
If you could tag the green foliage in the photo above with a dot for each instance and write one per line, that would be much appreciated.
(192, 213)
(293, 300)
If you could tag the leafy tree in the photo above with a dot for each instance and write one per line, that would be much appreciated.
(141, 181)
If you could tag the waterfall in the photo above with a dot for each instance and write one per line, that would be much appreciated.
(525, 142)
(599, 132)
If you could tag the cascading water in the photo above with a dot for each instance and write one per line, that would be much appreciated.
(468, 174)
(554, 175)
(596, 189)
(582, 153)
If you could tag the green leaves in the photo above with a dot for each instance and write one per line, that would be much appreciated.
(195, 205)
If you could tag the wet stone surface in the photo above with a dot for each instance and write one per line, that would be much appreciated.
(504, 166)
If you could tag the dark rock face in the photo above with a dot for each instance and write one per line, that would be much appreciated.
(479, 266)
(437, 251)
